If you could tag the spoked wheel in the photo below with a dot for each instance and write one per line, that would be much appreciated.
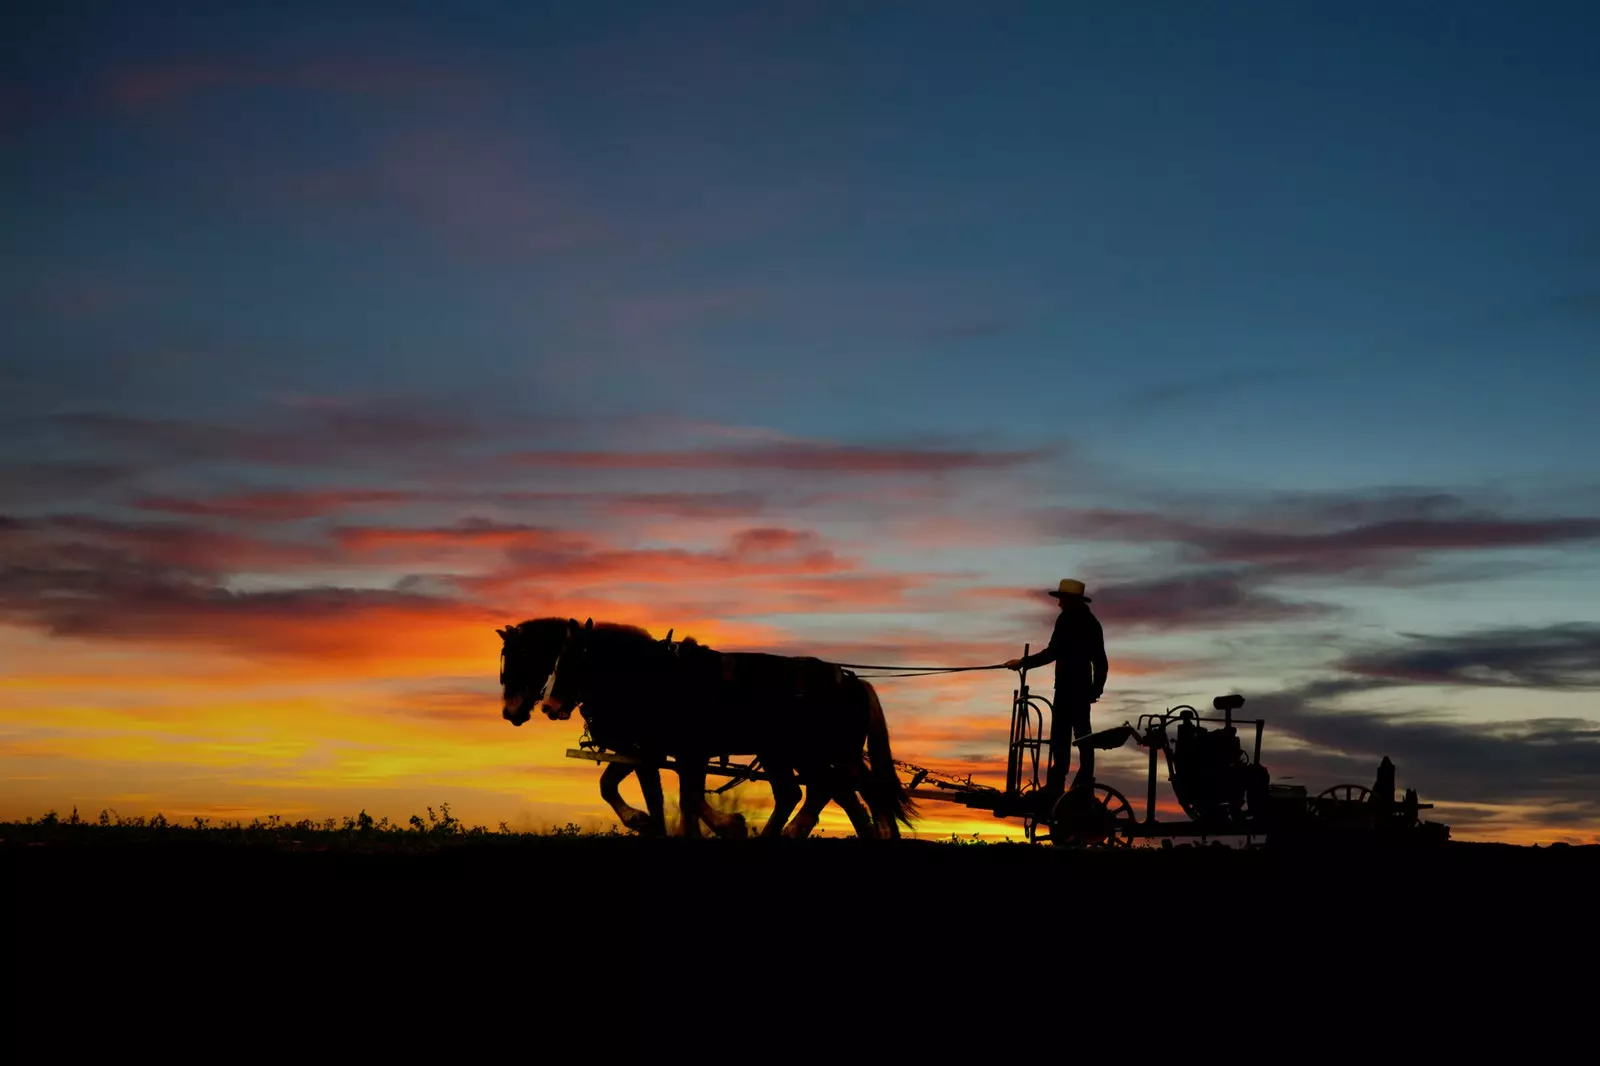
(1341, 804)
(1100, 817)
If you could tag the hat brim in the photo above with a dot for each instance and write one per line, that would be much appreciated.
(1058, 594)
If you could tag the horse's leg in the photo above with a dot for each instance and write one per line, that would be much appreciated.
(785, 797)
(844, 794)
(875, 822)
(613, 775)
(844, 784)
(655, 804)
(724, 825)
(691, 793)
(818, 793)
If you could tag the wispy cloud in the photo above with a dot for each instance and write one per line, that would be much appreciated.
(1153, 399)
(288, 505)
(1348, 536)
(53, 480)
(309, 436)
(811, 458)
(282, 505)
(1205, 600)
(1564, 658)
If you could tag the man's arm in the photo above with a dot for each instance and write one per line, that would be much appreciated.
(1042, 657)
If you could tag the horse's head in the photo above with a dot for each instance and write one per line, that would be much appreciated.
(568, 683)
(527, 656)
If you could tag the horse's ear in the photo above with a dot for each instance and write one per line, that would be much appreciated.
(588, 627)
(503, 634)
(572, 625)
(669, 637)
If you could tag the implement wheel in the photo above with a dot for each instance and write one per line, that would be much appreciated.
(1345, 794)
(1100, 817)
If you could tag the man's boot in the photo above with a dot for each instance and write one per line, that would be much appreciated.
(1055, 783)
(1085, 775)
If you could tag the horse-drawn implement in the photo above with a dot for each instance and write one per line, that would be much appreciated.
(1222, 790)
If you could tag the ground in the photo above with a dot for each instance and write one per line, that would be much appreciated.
(180, 938)
(170, 894)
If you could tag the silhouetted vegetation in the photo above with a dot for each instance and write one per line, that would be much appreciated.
(437, 828)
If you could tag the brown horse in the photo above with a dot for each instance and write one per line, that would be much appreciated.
(797, 715)
(528, 655)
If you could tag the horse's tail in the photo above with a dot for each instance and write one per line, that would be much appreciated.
(889, 800)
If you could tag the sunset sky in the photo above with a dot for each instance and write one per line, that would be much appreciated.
(334, 338)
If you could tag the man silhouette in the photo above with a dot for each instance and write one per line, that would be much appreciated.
(1077, 647)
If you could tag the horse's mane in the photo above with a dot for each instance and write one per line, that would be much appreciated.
(620, 629)
(547, 622)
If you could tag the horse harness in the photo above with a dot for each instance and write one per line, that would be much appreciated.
(806, 676)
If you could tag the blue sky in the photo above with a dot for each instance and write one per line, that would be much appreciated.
(1295, 269)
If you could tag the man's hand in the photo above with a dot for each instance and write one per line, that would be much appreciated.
(1013, 664)
(1094, 697)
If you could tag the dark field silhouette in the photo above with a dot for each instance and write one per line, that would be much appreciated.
(356, 893)
(167, 938)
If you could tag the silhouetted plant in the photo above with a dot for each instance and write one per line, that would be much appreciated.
(437, 827)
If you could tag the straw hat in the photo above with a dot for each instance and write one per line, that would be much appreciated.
(1070, 588)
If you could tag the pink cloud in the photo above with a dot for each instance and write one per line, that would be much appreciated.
(84, 542)
(285, 505)
(290, 505)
